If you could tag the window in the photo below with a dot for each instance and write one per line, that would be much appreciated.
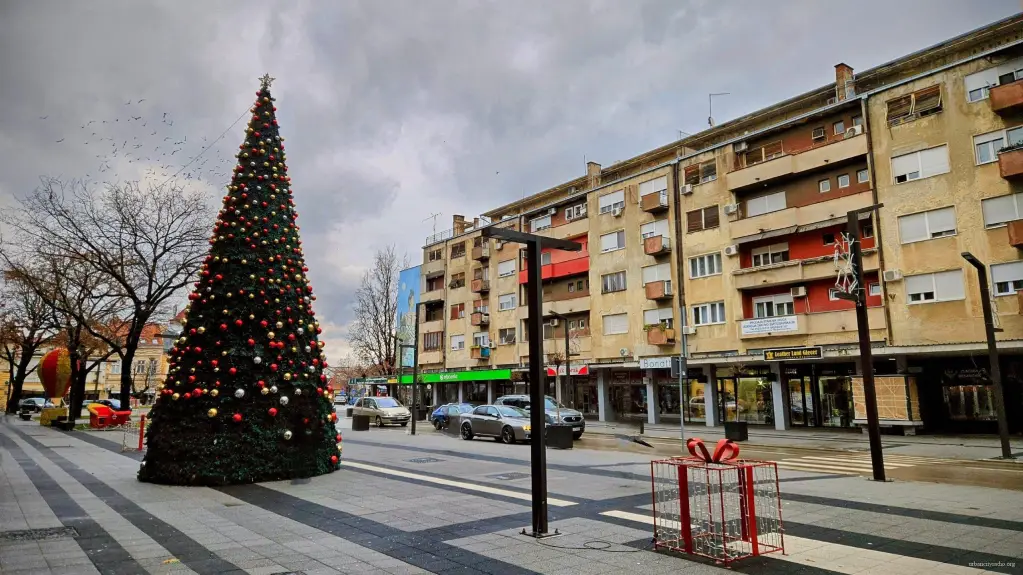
(922, 164)
(581, 285)
(874, 289)
(612, 201)
(916, 105)
(575, 212)
(654, 228)
(833, 294)
(772, 254)
(152, 366)
(765, 204)
(773, 305)
(458, 311)
(548, 329)
(998, 211)
(506, 302)
(505, 268)
(1008, 278)
(506, 335)
(613, 282)
(862, 176)
(545, 258)
(763, 154)
(616, 324)
(458, 281)
(705, 265)
(660, 185)
(435, 255)
(612, 241)
(115, 368)
(867, 230)
(433, 340)
(140, 367)
(481, 339)
(540, 223)
(927, 225)
(941, 286)
(582, 324)
(824, 186)
(458, 250)
(818, 133)
(709, 313)
(828, 238)
(701, 173)
(571, 287)
(662, 316)
(843, 181)
(987, 146)
(978, 84)
(479, 306)
(434, 313)
(838, 127)
(435, 283)
(857, 120)
(457, 342)
(482, 273)
(702, 219)
(659, 272)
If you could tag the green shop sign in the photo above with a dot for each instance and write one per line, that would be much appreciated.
(455, 376)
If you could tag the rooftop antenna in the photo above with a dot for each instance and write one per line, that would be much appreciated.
(710, 106)
(681, 134)
(434, 218)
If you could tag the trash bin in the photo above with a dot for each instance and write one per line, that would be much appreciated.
(737, 430)
(360, 423)
(422, 413)
(348, 411)
(559, 436)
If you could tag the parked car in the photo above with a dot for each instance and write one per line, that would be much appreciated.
(503, 422)
(112, 403)
(449, 413)
(383, 410)
(36, 404)
(555, 412)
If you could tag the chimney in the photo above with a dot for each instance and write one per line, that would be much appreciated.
(458, 224)
(593, 174)
(845, 83)
(475, 223)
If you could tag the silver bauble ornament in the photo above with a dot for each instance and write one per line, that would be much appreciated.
(284, 400)
(287, 434)
(239, 393)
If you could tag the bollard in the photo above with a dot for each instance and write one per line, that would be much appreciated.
(142, 430)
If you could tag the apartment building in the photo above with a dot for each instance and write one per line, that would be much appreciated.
(721, 247)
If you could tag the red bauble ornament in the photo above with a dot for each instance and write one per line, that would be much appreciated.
(238, 322)
(191, 379)
(252, 342)
(237, 418)
(273, 367)
(272, 411)
(223, 327)
(333, 459)
(187, 395)
(233, 370)
(337, 438)
(261, 383)
(263, 323)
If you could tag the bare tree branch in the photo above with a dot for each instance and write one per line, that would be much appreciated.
(376, 309)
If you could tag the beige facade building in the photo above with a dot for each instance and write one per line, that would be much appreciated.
(722, 248)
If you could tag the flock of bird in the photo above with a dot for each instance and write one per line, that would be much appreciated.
(133, 137)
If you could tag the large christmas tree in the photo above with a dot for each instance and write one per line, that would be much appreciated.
(245, 398)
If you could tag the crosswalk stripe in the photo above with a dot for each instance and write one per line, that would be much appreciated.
(823, 468)
(843, 461)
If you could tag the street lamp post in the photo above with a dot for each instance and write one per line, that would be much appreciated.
(992, 353)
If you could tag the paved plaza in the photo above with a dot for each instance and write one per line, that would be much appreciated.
(70, 503)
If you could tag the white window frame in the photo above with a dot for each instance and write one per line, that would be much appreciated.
(838, 127)
(1017, 206)
(932, 230)
(935, 296)
(848, 181)
(833, 294)
(619, 241)
(506, 302)
(502, 333)
(617, 279)
(662, 316)
(766, 204)
(618, 317)
(988, 78)
(824, 186)
(481, 339)
(545, 258)
(766, 254)
(506, 272)
(708, 261)
(920, 172)
(540, 224)
(710, 313)
(575, 212)
(457, 342)
(1007, 278)
(862, 176)
(993, 142)
(656, 228)
(874, 289)
(654, 186)
(115, 368)
(612, 201)
(783, 300)
(660, 272)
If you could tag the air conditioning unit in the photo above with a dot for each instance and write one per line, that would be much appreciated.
(498, 244)
(667, 288)
(687, 189)
(854, 131)
(798, 291)
(732, 250)
(731, 209)
(818, 133)
(493, 345)
(552, 211)
(892, 275)
(688, 330)
(740, 147)
(617, 212)
(553, 322)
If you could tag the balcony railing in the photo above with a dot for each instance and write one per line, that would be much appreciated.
(841, 321)
(658, 290)
(656, 245)
(571, 267)
(1015, 229)
(796, 161)
(801, 216)
(660, 335)
(480, 286)
(796, 271)
(653, 203)
(480, 318)
(479, 352)
(432, 295)
(1006, 98)
(480, 253)
(1010, 163)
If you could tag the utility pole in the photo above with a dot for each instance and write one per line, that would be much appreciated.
(992, 353)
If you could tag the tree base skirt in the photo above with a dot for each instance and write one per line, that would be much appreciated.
(178, 475)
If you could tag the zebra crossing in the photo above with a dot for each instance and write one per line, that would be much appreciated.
(857, 463)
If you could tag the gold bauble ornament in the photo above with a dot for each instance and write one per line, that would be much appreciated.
(270, 335)
(280, 324)
(287, 377)
(264, 391)
(214, 392)
(176, 396)
(212, 412)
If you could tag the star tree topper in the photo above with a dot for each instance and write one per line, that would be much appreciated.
(265, 81)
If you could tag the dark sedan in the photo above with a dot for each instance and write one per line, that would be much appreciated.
(449, 412)
(502, 422)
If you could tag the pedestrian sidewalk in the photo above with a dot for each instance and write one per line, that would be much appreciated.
(941, 446)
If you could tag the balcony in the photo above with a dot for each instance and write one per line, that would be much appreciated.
(478, 352)
(659, 335)
(566, 306)
(797, 162)
(656, 245)
(433, 269)
(481, 253)
(658, 290)
(797, 271)
(843, 321)
(432, 356)
(794, 217)
(480, 286)
(1010, 163)
(1016, 234)
(581, 347)
(1006, 98)
(432, 295)
(479, 318)
(562, 269)
(654, 203)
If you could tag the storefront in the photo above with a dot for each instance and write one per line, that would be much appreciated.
(956, 394)
(628, 395)
(695, 400)
(820, 394)
(475, 384)
(744, 394)
(578, 391)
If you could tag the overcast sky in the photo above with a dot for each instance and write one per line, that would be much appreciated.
(394, 111)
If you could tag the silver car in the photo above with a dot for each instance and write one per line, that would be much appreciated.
(382, 411)
(555, 413)
(503, 422)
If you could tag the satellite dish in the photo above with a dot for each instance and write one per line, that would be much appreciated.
(623, 352)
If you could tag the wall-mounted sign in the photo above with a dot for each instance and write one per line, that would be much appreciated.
(454, 376)
(763, 325)
(655, 363)
(576, 370)
(793, 353)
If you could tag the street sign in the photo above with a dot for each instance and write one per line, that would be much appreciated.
(655, 362)
(679, 367)
(791, 353)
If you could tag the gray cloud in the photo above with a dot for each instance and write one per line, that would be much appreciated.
(396, 110)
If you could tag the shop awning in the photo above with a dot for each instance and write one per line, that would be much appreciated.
(458, 376)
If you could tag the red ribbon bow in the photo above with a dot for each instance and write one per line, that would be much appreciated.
(725, 451)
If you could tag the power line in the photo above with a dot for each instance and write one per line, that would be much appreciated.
(207, 147)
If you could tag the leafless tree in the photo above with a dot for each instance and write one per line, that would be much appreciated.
(376, 310)
(25, 325)
(143, 246)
